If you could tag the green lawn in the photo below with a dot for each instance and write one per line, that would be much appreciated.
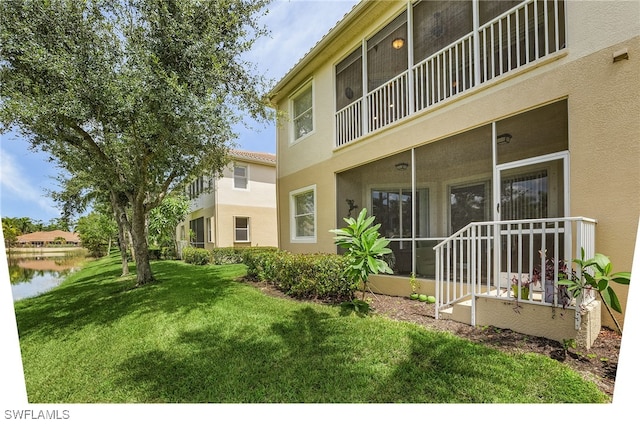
(198, 335)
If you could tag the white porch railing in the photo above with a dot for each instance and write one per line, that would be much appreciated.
(484, 259)
(527, 32)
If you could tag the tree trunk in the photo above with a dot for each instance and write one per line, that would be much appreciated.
(130, 239)
(139, 232)
(123, 224)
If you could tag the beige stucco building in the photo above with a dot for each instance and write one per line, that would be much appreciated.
(237, 209)
(438, 115)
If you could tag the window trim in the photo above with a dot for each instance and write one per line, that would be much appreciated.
(307, 85)
(235, 229)
(294, 238)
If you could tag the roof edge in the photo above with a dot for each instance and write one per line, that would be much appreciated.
(331, 35)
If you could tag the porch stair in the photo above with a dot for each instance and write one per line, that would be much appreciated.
(459, 312)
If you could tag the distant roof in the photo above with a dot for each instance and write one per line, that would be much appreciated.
(48, 236)
(262, 157)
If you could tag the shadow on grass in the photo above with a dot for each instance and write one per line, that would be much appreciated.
(307, 358)
(99, 295)
(248, 366)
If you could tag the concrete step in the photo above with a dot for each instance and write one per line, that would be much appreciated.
(460, 312)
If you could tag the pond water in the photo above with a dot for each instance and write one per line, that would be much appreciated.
(34, 273)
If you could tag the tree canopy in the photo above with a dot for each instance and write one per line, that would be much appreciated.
(135, 96)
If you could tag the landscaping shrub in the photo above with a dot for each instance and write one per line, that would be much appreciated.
(234, 255)
(196, 256)
(303, 276)
(226, 256)
(260, 264)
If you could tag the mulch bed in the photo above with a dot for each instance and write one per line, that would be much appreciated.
(597, 364)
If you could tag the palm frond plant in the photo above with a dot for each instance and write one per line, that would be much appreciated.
(596, 274)
(365, 248)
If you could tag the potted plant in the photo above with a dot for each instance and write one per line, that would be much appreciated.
(524, 287)
(415, 286)
(563, 296)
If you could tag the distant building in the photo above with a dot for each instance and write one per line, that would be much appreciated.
(236, 210)
(48, 238)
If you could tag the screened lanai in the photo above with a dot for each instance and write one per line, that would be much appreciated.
(423, 195)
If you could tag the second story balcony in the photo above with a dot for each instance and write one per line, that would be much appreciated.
(436, 50)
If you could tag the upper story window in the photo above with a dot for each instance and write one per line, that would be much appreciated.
(302, 106)
(240, 176)
(303, 214)
(196, 188)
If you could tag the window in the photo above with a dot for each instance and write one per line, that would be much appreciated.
(303, 214)
(468, 203)
(196, 232)
(392, 209)
(209, 225)
(303, 112)
(241, 226)
(240, 177)
(525, 196)
(196, 188)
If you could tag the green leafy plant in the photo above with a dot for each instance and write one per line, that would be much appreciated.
(364, 247)
(196, 256)
(415, 286)
(359, 307)
(596, 273)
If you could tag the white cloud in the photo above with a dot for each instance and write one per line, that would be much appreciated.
(295, 26)
(15, 185)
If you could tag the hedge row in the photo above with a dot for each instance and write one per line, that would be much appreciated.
(219, 256)
(303, 276)
(196, 256)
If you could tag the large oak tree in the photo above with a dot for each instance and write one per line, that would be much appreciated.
(138, 94)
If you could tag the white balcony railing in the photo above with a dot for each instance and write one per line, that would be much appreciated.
(520, 36)
(444, 74)
(484, 259)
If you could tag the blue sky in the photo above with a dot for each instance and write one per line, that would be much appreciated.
(296, 26)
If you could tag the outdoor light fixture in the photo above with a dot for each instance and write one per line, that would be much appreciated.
(397, 43)
(617, 56)
(402, 166)
(504, 138)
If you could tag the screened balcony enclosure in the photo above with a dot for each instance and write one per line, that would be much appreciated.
(436, 50)
(422, 196)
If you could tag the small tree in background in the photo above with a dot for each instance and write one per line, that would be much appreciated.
(164, 219)
(96, 232)
(365, 248)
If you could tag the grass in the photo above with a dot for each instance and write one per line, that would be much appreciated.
(198, 335)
